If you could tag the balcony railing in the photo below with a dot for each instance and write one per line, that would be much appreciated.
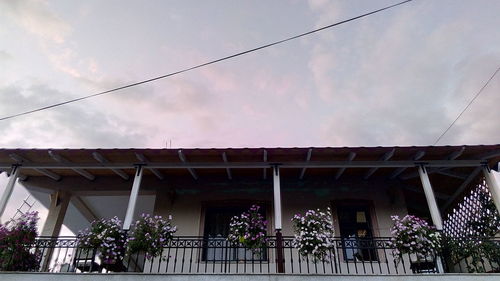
(189, 254)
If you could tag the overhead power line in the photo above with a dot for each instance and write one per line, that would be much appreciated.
(203, 64)
(468, 105)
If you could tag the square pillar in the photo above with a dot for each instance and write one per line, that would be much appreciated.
(431, 199)
(433, 208)
(129, 216)
(59, 202)
(8, 189)
(492, 186)
(280, 264)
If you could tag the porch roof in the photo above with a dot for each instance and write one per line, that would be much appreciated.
(64, 162)
(452, 168)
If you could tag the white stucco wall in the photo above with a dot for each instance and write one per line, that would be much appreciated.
(187, 209)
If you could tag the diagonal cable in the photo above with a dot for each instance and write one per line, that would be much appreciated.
(203, 64)
(468, 105)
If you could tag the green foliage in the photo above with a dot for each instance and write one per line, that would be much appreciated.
(478, 248)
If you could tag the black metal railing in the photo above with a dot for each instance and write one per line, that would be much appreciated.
(192, 254)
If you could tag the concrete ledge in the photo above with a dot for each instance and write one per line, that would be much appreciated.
(24, 276)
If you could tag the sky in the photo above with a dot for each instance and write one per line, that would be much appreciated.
(399, 77)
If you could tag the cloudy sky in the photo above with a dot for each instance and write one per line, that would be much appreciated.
(399, 77)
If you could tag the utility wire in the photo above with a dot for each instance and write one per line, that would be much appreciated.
(468, 105)
(203, 64)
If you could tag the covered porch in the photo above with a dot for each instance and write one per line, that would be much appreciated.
(202, 188)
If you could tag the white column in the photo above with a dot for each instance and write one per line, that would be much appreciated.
(129, 216)
(8, 189)
(277, 198)
(433, 208)
(431, 199)
(492, 186)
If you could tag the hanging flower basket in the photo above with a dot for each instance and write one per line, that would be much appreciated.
(150, 235)
(249, 230)
(314, 234)
(109, 239)
(414, 236)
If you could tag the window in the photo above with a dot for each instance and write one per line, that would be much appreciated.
(356, 233)
(216, 230)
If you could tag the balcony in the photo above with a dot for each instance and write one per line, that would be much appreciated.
(198, 255)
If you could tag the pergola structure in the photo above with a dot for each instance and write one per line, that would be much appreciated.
(69, 173)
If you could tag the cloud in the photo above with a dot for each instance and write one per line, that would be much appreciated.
(391, 82)
(36, 17)
(70, 126)
(5, 56)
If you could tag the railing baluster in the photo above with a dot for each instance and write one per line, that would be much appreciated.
(168, 256)
(355, 257)
(191, 255)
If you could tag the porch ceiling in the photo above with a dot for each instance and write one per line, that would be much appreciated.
(449, 166)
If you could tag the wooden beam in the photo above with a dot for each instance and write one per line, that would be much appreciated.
(462, 187)
(308, 158)
(452, 174)
(184, 160)
(415, 157)
(60, 159)
(228, 170)
(22, 160)
(451, 157)
(264, 159)
(340, 171)
(255, 164)
(143, 158)
(102, 159)
(388, 155)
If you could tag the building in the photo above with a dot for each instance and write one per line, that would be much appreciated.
(203, 188)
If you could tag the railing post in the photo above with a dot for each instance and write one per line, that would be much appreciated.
(277, 220)
(280, 263)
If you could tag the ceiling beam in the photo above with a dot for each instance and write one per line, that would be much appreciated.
(60, 159)
(415, 157)
(254, 165)
(308, 158)
(264, 159)
(340, 171)
(452, 174)
(228, 170)
(184, 160)
(451, 157)
(388, 155)
(20, 159)
(143, 158)
(97, 156)
(461, 188)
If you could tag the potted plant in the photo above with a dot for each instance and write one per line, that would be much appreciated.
(314, 233)
(17, 238)
(107, 237)
(150, 234)
(249, 230)
(414, 236)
